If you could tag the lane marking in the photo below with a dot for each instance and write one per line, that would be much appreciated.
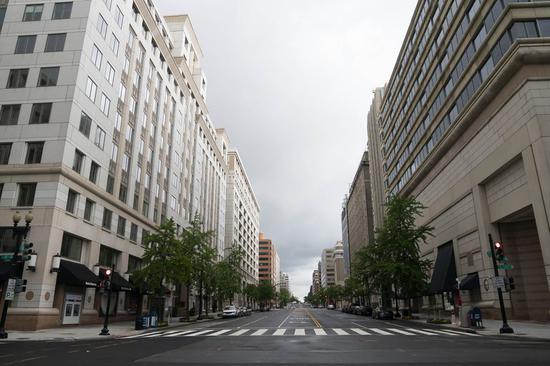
(401, 331)
(420, 331)
(340, 331)
(313, 319)
(288, 316)
(441, 332)
(461, 333)
(299, 332)
(198, 333)
(280, 332)
(181, 333)
(360, 331)
(239, 332)
(259, 332)
(319, 331)
(24, 360)
(252, 322)
(143, 334)
(380, 331)
(161, 334)
(219, 332)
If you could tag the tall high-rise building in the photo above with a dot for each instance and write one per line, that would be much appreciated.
(284, 281)
(327, 268)
(242, 218)
(316, 281)
(464, 129)
(345, 237)
(269, 266)
(105, 133)
(339, 264)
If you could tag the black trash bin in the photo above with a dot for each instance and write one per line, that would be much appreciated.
(139, 323)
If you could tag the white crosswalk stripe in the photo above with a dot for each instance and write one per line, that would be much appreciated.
(267, 332)
(259, 332)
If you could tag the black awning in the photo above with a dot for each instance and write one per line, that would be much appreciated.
(470, 282)
(6, 270)
(444, 275)
(77, 274)
(119, 283)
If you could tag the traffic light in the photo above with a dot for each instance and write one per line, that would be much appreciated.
(26, 251)
(105, 277)
(499, 252)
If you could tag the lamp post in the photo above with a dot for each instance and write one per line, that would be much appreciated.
(108, 273)
(18, 233)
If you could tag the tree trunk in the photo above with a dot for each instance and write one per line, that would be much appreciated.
(188, 296)
(200, 298)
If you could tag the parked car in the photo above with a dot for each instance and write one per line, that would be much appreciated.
(331, 307)
(230, 312)
(248, 311)
(382, 314)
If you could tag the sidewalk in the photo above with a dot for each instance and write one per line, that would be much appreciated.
(81, 332)
(524, 329)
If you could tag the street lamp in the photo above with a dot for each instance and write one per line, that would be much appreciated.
(18, 233)
(108, 273)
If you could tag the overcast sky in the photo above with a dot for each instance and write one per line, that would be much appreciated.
(291, 81)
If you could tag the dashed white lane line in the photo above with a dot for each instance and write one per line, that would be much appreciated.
(401, 331)
(219, 332)
(299, 332)
(259, 332)
(360, 331)
(380, 331)
(279, 332)
(319, 331)
(340, 331)
(239, 332)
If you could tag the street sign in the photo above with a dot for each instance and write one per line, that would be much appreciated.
(10, 290)
(505, 266)
(499, 282)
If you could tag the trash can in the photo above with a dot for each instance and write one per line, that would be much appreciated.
(477, 317)
(139, 323)
(154, 321)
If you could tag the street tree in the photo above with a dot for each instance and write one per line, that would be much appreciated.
(266, 293)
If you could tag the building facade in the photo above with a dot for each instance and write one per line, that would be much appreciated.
(268, 262)
(316, 281)
(345, 237)
(464, 128)
(104, 134)
(327, 268)
(242, 227)
(284, 281)
(339, 264)
(359, 212)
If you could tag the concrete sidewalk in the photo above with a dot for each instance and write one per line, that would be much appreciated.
(527, 329)
(80, 332)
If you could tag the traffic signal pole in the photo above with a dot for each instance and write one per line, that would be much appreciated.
(505, 327)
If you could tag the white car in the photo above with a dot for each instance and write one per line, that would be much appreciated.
(331, 307)
(230, 312)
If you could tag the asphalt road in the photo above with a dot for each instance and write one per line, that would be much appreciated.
(287, 337)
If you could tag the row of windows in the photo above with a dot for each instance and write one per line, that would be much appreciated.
(40, 113)
(47, 76)
(55, 42)
(34, 12)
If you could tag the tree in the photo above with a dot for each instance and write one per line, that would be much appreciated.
(284, 297)
(266, 293)
(251, 293)
(228, 275)
(392, 263)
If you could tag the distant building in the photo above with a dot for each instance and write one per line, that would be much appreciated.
(284, 281)
(268, 262)
(327, 268)
(339, 264)
(345, 237)
(316, 281)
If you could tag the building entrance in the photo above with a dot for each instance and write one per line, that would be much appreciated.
(71, 309)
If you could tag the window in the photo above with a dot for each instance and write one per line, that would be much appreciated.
(33, 12)
(72, 200)
(97, 57)
(119, 17)
(115, 44)
(101, 26)
(48, 76)
(108, 256)
(107, 219)
(121, 227)
(108, 3)
(85, 124)
(40, 113)
(71, 247)
(110, 184)
(544, 27)
(25, 44)
(110, 73)
(89, 209)
(114, 152)
(26, 194)
(133, 232)
(126, 163)
(17, 78)
(9, 114)
(91, 89)
(34, 152)
(122, 92)
(78, 160)
(5, 150)
(55, 42)
(62, 10)
(118, 121)
(99, 138)
(123, 193)
(134, 263)
(94, 172)
(105, 104)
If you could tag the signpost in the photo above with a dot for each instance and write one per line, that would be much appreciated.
(10, 290)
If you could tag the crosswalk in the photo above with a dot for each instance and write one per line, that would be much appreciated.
(263, 332)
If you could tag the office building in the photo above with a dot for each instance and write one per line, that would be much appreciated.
(269, 266)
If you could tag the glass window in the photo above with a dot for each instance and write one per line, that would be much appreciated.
(85, 124)
(55, 42)
(9, 114)
(40, 113)
(26, 194)
(34, 152)
(99, 138)
(101, 26)
(133, 232)
(134, 263)
(25, 44)
(78, 160)
(62, 10)
(89, 209)
(5, 150)
(544, 27)
(119, 17)
(33, 12)
(123, 193)
(72, 200)
(94, 172)
(105, 104)
(91, 89)
(110, 73)
(114, 152)
(97, 57)
(110, 184)
(48, 76)
(71, 247)
(108, 256)
(121, 227)
(17, 78)
(115, 44)
(108, 3)
(107, 219)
